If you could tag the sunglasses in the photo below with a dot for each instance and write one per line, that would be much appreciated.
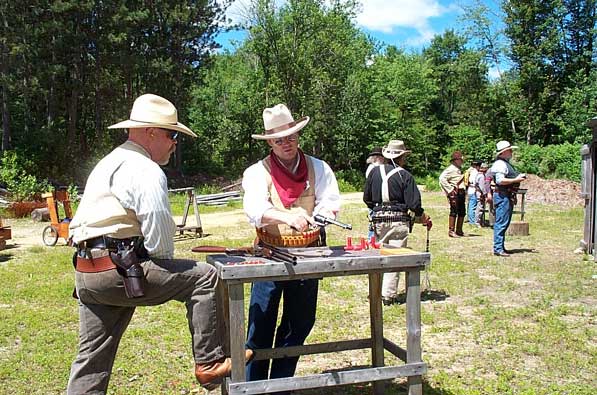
(291, 139)
(172, 135)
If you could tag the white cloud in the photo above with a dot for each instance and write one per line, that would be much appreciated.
(378, 15)
(238, 11)
(493, 74)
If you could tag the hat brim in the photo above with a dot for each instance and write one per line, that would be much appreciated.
(388, 155)
(128, 124)
(506, 149)
(283, 133)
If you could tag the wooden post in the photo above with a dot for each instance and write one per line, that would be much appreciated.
(413, 328)
(376, 317)
(237, 331)
(587, 185)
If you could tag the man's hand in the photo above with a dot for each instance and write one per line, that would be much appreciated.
(299, 221)
(426, 221)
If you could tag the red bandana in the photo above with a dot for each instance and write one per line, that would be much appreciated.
(289, 185)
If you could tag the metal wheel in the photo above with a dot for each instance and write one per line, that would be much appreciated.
(50, 236)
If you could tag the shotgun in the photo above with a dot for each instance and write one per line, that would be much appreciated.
(268, 251)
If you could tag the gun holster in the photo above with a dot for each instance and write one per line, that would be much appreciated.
(129, 267)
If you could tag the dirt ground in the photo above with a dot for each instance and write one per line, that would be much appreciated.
(26, 233)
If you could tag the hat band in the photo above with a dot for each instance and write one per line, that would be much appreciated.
(393, 151)
(157, 123)
(281, 128)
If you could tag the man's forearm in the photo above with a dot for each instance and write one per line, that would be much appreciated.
(274, 216)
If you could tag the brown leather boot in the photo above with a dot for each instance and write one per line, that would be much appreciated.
(451, 226)
(459, 223)
(211, 374)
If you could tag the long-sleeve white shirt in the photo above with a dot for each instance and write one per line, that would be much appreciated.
(128, 179)
(140, 185)
(256, 199)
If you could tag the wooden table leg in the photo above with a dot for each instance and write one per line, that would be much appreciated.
(237, 331)
(413, 328)
(376, 315)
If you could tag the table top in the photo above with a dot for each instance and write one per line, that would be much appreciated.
(339, 263)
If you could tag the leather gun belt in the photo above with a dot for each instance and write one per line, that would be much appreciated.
(100, 261)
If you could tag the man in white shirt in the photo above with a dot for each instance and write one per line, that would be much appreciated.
(483, 185)
(123, 230)
(471, 190)
(282, 193)
(507, 180)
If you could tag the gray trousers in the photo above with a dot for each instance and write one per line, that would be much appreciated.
(392, 234)
(105, 312)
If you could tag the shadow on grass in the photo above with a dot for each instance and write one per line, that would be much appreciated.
(522, 250)
(391, 388)
(427, 295)
(5, 257)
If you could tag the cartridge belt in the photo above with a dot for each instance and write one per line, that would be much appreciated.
(390, 216)
(301, 240)
(105, 242)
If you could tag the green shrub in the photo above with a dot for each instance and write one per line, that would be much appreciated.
(21, 184)
(552, 161)
(430, 182)
(350, 180)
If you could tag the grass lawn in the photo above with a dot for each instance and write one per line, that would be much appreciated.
(520, 325)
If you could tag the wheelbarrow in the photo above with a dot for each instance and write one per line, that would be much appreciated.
(58, 227)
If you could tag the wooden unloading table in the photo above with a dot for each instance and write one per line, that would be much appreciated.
(234, 272)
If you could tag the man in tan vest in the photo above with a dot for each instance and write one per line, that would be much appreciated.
(451, 182)
(123, 230)
(282, 193)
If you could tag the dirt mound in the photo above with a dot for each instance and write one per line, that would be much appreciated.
(560, 192)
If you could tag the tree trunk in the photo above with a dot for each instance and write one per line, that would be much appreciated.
(5, 119)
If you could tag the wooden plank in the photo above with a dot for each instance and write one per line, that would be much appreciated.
(413, 328)
(326, 379)
(307, 349)
(237, 331)
(376, 321)
(231, 267)
(395, 349)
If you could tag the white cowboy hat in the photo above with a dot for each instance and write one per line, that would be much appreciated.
(394, 149)
(278, 123)
(153, 111)
(502, 146)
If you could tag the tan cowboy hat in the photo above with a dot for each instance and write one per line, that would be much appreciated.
(278, 123)
(502, 146)
(153, 111)
(394, 149)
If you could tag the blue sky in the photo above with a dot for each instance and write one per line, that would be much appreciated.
(407, 24)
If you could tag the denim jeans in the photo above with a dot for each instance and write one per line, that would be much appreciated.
(298, 318)
(472, 207)
(503, 216)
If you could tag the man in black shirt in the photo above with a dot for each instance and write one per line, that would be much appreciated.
(390, 192)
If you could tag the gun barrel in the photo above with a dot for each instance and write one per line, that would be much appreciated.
(325, 220)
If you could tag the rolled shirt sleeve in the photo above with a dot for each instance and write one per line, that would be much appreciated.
(256, 197)
(327, 193)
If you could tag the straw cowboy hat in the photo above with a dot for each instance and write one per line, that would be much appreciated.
(153, 111)
(394, 149)
(278, 122)
(502, 146)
